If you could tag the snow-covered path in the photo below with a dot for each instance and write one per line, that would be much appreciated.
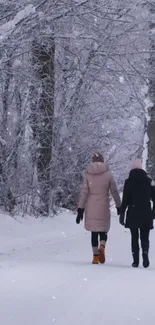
(46, 276)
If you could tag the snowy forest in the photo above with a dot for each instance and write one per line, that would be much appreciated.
(75, 76)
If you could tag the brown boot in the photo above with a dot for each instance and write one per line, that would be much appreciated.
(95, 259)
(102, 254)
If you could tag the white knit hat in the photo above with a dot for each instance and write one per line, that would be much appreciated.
(136, 164)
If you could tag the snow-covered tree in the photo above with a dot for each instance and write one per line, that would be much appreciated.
(151, 92)
(71, 76)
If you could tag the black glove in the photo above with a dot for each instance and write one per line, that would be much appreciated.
(118, 211)
(121, 219)
(153, 213)
(79, 215)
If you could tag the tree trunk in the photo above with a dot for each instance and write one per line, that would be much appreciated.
(151, 123)
(6, 194)
(43, 131)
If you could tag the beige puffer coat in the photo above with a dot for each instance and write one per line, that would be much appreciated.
(95, 197)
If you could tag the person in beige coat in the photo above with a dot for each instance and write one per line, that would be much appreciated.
(94, 200)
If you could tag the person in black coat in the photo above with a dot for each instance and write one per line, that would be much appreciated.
(136, 211)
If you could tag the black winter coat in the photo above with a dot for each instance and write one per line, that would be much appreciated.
(137, 196)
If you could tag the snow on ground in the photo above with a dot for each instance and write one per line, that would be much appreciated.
(46, 276)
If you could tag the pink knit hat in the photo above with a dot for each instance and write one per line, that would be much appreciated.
(136, 164)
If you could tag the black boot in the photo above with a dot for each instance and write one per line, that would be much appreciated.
(145, 254)
(146, 261)
(135, 259)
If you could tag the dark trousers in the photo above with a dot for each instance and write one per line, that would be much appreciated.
(144, 237)
(96, 236)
